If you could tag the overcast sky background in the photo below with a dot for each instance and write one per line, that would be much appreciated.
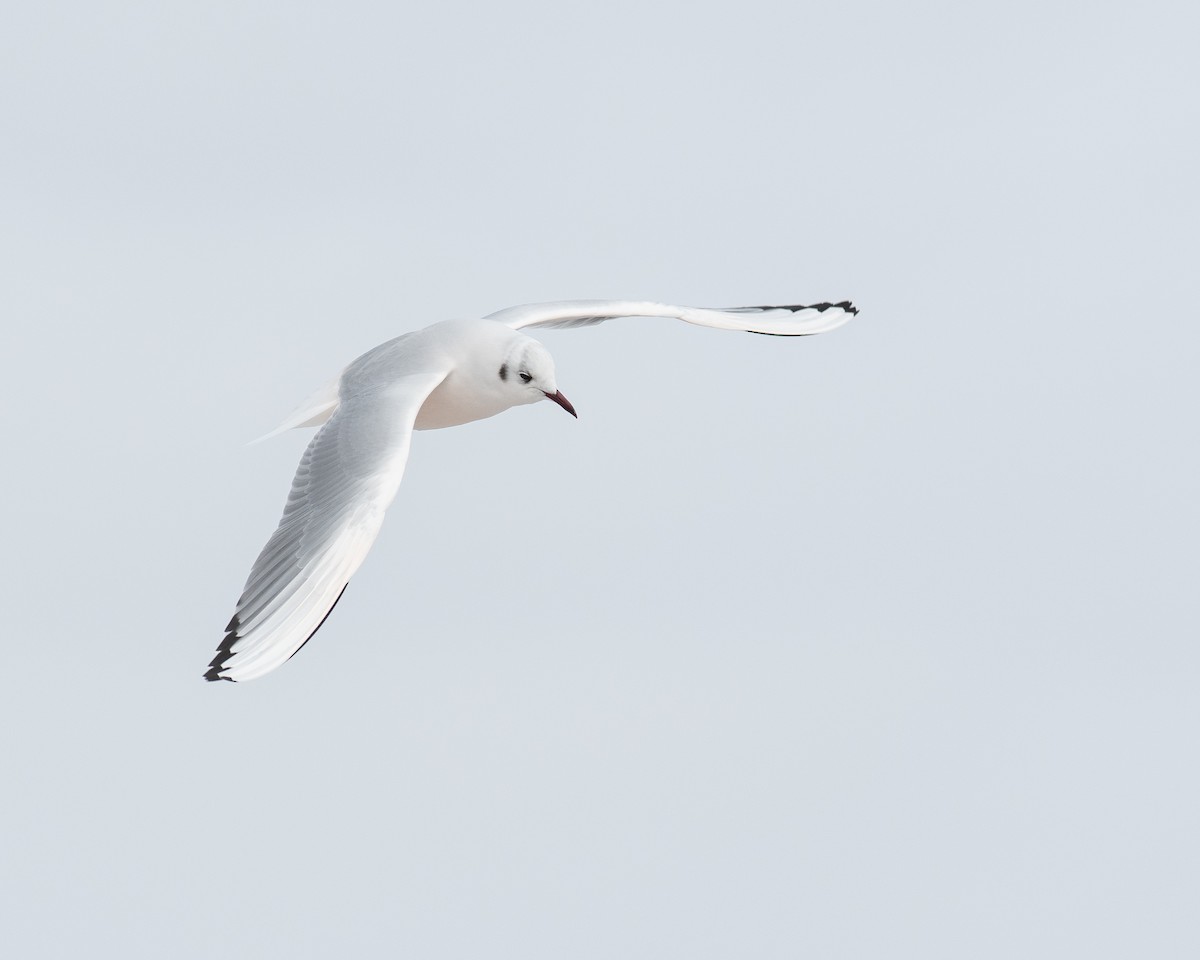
(874, 644)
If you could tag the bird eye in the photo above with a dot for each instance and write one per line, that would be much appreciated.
(525, 378)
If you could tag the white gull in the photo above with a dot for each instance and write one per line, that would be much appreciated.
(446, 374)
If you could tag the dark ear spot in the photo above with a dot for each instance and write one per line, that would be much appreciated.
(504, 371)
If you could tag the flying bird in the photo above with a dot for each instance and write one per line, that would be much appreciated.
(446, 374)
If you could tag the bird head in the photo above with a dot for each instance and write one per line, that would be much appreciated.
(527, 375)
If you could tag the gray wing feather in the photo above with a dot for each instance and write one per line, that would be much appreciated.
(346, 479)
(796, 320)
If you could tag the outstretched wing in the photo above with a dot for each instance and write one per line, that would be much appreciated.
(790, 321)
(347, 478)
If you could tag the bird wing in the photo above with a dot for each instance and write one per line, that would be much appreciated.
(346, 479)
(784, 321)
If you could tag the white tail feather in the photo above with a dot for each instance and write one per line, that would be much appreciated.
(311, 413)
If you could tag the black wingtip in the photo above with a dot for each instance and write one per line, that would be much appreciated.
(846, 305)
(224, 652)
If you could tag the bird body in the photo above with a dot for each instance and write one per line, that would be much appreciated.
(446, 374)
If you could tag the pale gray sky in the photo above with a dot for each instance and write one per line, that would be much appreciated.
(875, 644)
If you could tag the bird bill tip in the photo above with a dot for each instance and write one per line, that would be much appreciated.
(562, 402)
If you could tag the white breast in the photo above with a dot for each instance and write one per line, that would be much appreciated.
(459, 398)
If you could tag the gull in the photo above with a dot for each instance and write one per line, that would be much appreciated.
(446, 374)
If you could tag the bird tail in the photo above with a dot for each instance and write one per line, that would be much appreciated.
(311, 413)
